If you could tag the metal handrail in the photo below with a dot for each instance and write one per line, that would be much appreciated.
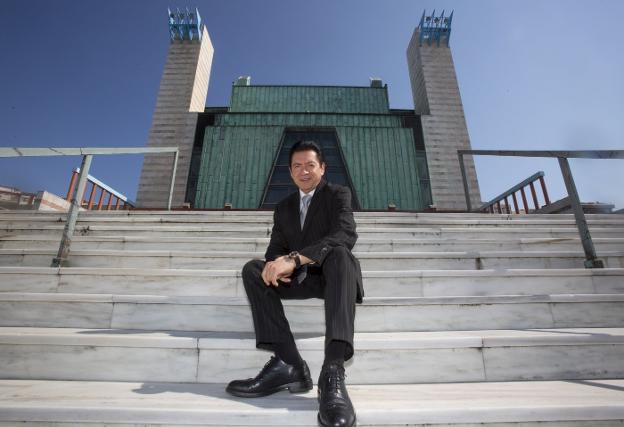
(591, 261)
(87, 155)
(539, 176)
(104, 190)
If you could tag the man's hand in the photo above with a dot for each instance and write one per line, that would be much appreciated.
(280, 269)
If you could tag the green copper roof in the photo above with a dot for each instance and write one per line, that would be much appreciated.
(384, 167)
(309, 99)
(308, 120)
(235, 165)
(380, 153)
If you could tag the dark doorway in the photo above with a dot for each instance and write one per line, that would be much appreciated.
(280, 184)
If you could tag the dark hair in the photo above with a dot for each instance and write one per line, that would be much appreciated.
(306, 146)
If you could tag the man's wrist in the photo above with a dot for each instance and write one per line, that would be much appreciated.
(294, 256)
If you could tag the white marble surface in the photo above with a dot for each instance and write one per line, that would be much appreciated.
(431, 357)
(376, 405)
(377, 282)
(593, 314)
(363, 340)
(362, 218)
(369, 260)
(366, 231)
(98, 363)
(408, 366)
(155, 282)
(57, 313)
(129, 242)
(99, 337)
(554, 362)
(182, 317)
(608, 284)
(23, 281)
(153, 312)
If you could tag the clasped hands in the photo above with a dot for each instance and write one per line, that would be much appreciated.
(280, 269)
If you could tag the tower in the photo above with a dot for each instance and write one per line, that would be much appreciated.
(182, 95)
(437, 100)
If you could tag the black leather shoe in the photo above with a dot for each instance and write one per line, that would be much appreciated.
(275, 376)
(335, 407)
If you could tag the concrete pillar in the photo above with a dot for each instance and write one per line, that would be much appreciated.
(182, 94)
(437, 100)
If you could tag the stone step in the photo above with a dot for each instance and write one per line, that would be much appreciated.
(417, 357)
(267, 215)
(267, 218)
(232, 314)
(51, 242)
(263, 228)
(398, 283)
(497, 404)
(476, 260)
(269, 212)
(250, 232)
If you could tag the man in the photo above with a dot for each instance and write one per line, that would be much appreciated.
(309, 256)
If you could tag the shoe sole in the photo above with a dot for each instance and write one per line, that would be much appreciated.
(294, 388)
(320, 423)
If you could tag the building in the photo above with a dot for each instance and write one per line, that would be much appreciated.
(237, 156)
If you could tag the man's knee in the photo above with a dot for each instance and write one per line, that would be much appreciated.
(338, 253)
(339, 265)
(252, 270)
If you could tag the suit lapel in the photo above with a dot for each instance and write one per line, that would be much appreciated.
(293, 210)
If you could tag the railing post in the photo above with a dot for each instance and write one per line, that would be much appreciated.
(534, 195)
(465, 181)
(588, 245)
(93, 188)
(72, 184)
(101, 200)
(72, 215)
(544, 191)
(524, 201)
(515, 200)
(173, 174)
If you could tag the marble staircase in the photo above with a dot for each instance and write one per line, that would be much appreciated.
(469, 320)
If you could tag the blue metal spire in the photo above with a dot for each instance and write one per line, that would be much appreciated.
(184, 25)
(435, 29)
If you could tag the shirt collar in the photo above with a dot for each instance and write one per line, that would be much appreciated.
(302, 194)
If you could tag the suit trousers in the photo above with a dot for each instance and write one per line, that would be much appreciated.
(335, 282)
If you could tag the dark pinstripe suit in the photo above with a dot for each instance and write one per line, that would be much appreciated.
(327, 237)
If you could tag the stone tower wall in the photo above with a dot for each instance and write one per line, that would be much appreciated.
(182, 94)
(437, 99)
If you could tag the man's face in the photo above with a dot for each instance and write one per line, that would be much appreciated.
(306, 170)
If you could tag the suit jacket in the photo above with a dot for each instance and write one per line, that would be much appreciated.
(329, 223)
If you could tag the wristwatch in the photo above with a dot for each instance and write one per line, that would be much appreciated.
(294, 255)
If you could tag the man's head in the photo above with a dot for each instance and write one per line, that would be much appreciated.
(307, 166)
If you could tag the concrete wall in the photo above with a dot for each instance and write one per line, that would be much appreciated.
(437, 99)
(182, 94)
(51, 202)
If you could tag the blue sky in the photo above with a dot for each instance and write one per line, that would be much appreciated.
(533, 74)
